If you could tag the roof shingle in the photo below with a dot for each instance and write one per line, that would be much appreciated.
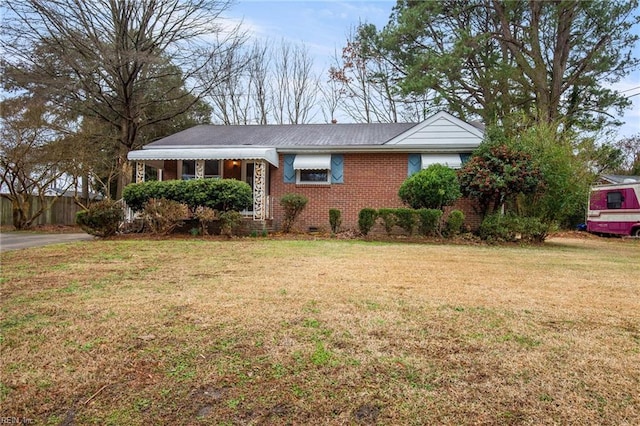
(285, 135)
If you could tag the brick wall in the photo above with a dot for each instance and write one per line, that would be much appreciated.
(370, 180)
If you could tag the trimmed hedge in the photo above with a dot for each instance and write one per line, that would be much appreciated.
(335, 220)
(429, 221)
(389, 219)
(406, 219)
(366, 220)
(218, 194)
(454, 223)
(431, 188)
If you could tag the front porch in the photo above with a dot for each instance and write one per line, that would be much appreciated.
(254, 172)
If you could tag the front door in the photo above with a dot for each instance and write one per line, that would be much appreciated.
(232, 169)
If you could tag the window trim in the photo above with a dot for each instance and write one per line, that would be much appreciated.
(299, 180)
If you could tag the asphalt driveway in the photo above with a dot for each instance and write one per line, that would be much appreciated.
(20, 240)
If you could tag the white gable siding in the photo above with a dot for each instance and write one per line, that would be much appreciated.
(440, 129)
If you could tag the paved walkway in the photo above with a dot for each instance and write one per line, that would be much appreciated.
(20, 240)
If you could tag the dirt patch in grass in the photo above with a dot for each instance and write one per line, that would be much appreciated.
(262, 331)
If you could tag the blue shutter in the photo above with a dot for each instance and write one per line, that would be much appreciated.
(464, 158)
(337, 168)
(415, 163)
(288, 172)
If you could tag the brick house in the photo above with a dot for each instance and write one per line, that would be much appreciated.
(343, 166)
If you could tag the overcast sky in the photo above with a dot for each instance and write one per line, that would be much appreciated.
(323, 25)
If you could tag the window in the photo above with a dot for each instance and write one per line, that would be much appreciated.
(614, 200)
(314, 169)
(313, 176)
(188, 169)
(212, 169)
(151, 173)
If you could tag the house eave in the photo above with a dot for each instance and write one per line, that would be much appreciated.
(431, 148)
(268, 154)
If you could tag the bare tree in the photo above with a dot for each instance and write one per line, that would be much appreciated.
(271, 84)
(294, 85)
(259, 75)
(330, 100)
(243, 97)
(111, 51)
(365, 83)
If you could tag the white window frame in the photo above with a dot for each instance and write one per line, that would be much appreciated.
(299, 180)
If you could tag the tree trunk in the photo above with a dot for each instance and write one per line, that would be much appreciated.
(20, 210)
(126, 173)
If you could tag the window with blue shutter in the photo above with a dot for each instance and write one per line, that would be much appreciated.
(288, 171)
(337, 168)
(464, 158)
(415, 164)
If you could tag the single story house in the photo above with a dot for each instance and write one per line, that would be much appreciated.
(341, 166)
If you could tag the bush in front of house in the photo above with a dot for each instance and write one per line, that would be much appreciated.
(335, 220)
(454, 223)
(506, 227)
(534, 230)
(293, 204)
(389, 219)
(218, 194)
(499, 227)
(429, 221)
(101, 219)
(161, 216)
(366, 220)
(431, 188)
(406, 219)
(229, 222)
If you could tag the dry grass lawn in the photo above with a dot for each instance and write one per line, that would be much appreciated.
(256, 331)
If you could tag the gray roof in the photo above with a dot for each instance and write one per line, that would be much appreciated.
(285, 135)
(620, 178)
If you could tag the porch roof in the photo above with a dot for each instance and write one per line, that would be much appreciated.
(235, 153)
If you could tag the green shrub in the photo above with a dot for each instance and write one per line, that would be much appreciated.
(431, 188)
(455, 220)
(229, 222)
(161, 216)
(366, 220)
(293, 204)
(389, 220)
(217, 194)
(406, 219)
(532, 229)
(429, 221)
(101, 219)
(335, 220)
(499, 228)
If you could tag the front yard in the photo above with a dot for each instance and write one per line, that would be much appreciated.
(259, 331)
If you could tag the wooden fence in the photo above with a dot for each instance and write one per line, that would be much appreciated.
(63, 212)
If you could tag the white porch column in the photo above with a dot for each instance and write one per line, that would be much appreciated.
(139, 171)
(199, 169)
(259, 190)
